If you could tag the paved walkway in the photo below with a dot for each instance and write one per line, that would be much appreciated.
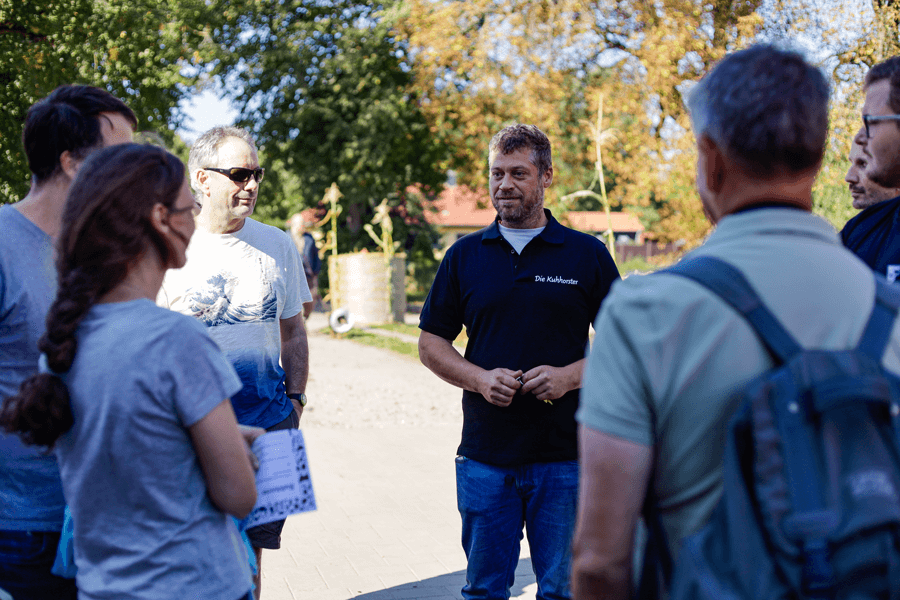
(387, 526)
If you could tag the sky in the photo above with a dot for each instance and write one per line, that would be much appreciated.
(204, 111)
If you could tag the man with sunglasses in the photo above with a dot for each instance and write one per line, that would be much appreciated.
(60, 132)
(245, 281)
(874, 234)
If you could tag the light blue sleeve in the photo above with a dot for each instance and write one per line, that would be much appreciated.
(201, 374)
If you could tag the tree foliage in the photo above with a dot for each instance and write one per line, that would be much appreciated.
(327, 90)
(138, 50)
(485, 63)
(546, 63)
(372, 95)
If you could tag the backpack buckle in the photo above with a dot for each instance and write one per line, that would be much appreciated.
(817, 579)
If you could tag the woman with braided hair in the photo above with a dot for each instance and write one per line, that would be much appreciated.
(134, 397)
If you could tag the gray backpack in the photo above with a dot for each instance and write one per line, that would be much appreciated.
(811, 499)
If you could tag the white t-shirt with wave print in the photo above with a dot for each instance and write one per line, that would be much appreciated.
(240, 285)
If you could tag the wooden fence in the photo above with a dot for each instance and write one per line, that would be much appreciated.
(625, 252)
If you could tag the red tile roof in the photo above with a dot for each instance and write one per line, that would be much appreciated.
(460, 206)
(596, 221)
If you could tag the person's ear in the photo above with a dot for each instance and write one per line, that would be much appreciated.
(713, 167)
(159, 218)
(202, 179)
(69, 164)
(547, 179)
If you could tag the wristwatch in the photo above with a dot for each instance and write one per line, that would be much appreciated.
(301, 398)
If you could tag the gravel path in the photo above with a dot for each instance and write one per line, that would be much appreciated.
(353, 385)
(382, 431)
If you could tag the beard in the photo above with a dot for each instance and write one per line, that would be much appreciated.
(887, 176)
(520, 211)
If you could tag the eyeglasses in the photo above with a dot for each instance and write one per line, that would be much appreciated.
(239, 174)
(194, 208)
(875, 118)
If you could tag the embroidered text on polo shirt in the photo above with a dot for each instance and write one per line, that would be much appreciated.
(554, 279)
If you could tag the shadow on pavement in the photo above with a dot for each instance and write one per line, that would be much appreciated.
(450, 583)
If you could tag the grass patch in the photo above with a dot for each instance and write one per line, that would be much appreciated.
(414, 331)
(462, 339)
(636, 265)
(406, 328)
(377, 341)
(410, 349)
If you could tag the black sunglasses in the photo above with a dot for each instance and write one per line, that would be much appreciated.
(239, 174)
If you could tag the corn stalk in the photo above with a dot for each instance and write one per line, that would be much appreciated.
(332, 195)
(600, 137)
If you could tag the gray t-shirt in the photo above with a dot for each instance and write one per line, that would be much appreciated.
(30, 491)
(145, 527)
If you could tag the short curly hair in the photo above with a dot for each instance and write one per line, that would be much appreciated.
(519, 136)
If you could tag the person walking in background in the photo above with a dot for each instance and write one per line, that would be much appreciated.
(526, 289)
(244, 281)
(874, 234)
(134, 398)
(312, 264)
(60, 132)
(669, 354)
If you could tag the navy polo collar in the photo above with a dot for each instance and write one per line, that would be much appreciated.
(553, 233)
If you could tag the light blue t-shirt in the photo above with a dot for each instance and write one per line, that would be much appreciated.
(145, 527)
(30, 492)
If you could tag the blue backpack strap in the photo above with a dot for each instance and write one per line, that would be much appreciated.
(810, 522)
(732, 287)
(881, 322)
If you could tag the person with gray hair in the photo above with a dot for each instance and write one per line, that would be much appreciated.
(244, 280)
(205, 151)
(669, 354)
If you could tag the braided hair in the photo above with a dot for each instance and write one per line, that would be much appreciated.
(106, 227)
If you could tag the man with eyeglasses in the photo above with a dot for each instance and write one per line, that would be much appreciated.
(245, 281)
(668, 354)
(60, 132)
(874, 234)
(864, 191)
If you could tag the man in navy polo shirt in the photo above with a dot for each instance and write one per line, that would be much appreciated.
(874, 234)
(526, 289)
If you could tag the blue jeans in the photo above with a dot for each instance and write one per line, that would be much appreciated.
(25, 561)
(495, 503)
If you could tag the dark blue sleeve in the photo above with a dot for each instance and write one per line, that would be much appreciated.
(311, 255)
(608, 274)
(442, 313)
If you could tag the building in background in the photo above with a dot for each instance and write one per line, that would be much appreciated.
(459, 210)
